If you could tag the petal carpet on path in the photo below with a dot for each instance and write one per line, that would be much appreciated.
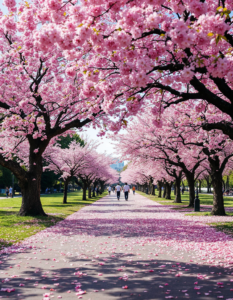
(136, 249)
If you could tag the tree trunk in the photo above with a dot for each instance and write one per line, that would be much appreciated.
(30, 188)
(191, 183)
(89, 192)
(168, 190)
(208, 184)
(159, 187)
(224, 185)
(200, 182)
(84, 190)
(216, 176)
(101, 188)
(66, 182)
(153, 189)
(218, 202)
(164, 190)
(177, 188)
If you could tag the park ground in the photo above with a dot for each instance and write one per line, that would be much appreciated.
(14, 228)
(136, 249)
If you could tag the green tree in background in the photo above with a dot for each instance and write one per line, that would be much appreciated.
(65, 141)
(5, 177)
(48, 179)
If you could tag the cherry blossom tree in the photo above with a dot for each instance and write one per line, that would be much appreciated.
(97, 169)
(68, 162)
(138, 173)
(164, 51)
(79, 161)
(217, 147)
(41, 97)
(145, 140)
(181, 143)
(65, 65)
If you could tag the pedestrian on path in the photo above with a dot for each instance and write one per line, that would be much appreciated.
(10, 192)
(134, 190)
(109, 190)
(118, 190)
(126, 191)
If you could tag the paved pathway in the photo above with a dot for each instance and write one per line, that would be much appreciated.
(121, 250)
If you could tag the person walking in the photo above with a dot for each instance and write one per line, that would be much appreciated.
(10, 192)
(134, 190)
(7, 191)
(109, 190)
(126, 189)
(118, 190)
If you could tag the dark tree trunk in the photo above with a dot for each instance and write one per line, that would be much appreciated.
(30, 188)
(159, 187)
(218, 202)
(208, 185)
(216, 176)
(168, 190)
(224, 185)
(84, 190)
(94, 187)
(153, 189)
(164, 190)
(66, 182)
(177, 188)
(191, 183)
(89, 192)
(101, 188)
(207, 178)
(200, 182)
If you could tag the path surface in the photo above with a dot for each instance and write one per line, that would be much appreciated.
(121, 250)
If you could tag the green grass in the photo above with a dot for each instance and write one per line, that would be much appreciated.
(226, 227)
(205, 199)
(14, 228)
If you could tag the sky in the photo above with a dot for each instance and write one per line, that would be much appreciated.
(105, 144)
(3, 8)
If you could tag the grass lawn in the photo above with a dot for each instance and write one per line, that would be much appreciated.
(205, 199)
(14, 228)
